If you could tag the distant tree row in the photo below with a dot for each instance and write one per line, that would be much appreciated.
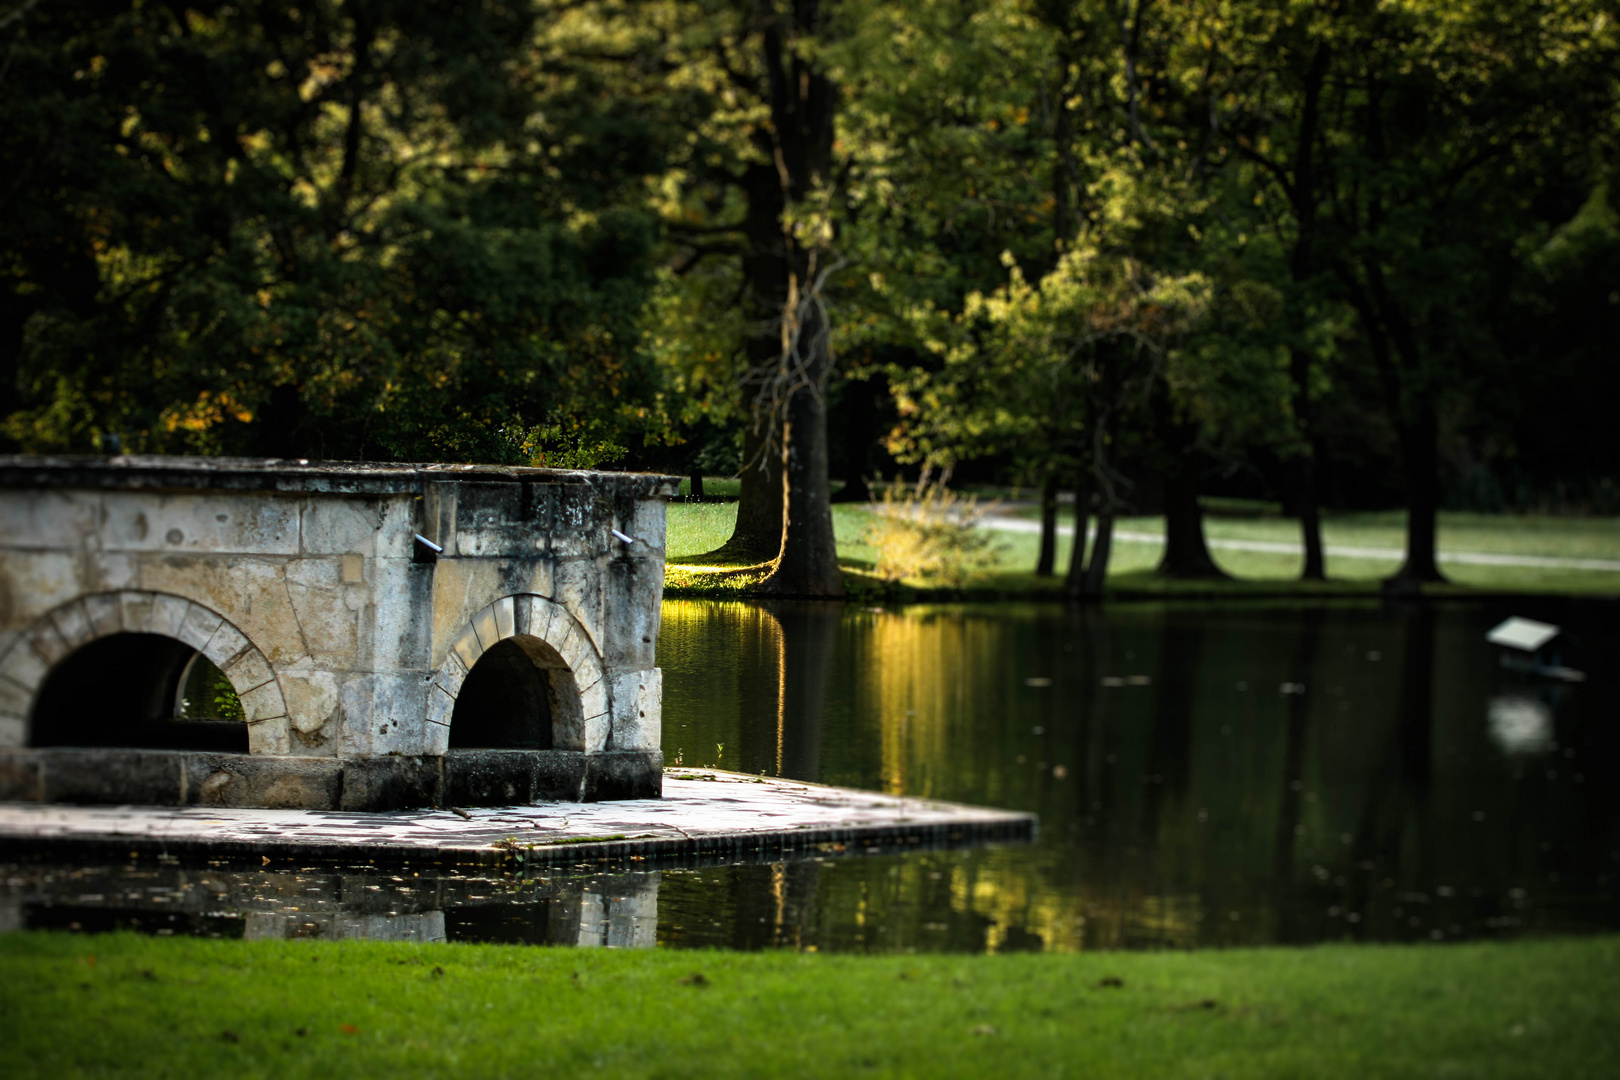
(1134, 250)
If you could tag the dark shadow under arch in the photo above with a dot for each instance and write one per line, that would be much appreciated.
(123, 690)
(505, 702)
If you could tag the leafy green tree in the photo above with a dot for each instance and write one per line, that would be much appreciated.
(1406, 143)
(342, 229)
(750, 186)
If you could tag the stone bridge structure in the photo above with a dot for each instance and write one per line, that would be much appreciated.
(327, 635)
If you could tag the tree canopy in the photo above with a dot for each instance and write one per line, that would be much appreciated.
(1332, 251)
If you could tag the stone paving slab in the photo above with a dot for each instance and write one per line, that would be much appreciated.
(703, 814)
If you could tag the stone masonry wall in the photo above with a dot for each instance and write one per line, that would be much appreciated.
(343, 635)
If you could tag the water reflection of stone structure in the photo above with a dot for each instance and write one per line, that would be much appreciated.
(396, 635)
(607, 909)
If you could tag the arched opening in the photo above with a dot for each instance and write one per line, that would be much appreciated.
(142, 691)
(507, 700)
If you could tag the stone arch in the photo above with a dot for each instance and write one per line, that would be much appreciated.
(556, 640)
(64, 629)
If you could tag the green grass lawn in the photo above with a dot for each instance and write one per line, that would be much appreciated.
(695, 528)
(122, 1005)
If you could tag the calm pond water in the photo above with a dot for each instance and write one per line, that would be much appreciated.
(1205, 776)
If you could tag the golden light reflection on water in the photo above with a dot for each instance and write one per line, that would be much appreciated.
(1189, 794)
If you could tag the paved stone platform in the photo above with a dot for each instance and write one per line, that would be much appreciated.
(704, 814)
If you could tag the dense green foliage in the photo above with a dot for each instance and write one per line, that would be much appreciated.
(1339, 252)
(336, 229)
(123, 1005)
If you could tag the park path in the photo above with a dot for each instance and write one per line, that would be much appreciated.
(1004, 523)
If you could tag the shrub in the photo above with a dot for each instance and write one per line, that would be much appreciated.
(931, 533)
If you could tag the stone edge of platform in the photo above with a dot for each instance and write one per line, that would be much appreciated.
(1006, 827)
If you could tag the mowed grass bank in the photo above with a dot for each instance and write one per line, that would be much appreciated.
(698, 528)
(134, 1006)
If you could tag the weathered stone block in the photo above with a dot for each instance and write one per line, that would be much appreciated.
(624, 775)
(594, 732)
(45, 641)
(13, 732)
(468, 648)
(390, 783)
(225, 645)
(579, 522)
(634, 590)
(269, 736)
(22, 775)
(14, 701)
(328, 627)
(167, 613)
(485, 627)
(105, 614)
(505, 616)
(248, 671)
(435, 737)
(637, 718)
(398, 703)
(441, 706)
(73, 624)
(401, 614)
(311, 699)
(153, 777)
(195, 629)
(289, 783)
(34, 583)
(263, 702)
(489, 777)
(647, 526)
(110, 572)
(593, 700)
(49, 518)
(578, 588)
(136, 613)
(23, 667)
(222, 524)
(338, 526)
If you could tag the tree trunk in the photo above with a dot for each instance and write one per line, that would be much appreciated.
(1302, 267)
(1310, 515)
(1310, 522)
(1186, 555)
(1101, 549)
(1074, 583)
(696, 491)
(1049, 508)
(789, 355)
(807, 564)
(757, 536)
(1420, 453)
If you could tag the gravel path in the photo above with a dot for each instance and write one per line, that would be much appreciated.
(1003, 523)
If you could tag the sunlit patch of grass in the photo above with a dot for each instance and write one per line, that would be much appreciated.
(692, 579)
(140, 1006)
(698, 528)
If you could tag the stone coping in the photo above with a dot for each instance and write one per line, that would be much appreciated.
(132, 471)
(704, 814)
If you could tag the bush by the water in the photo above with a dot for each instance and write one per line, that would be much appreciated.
(930, 533)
